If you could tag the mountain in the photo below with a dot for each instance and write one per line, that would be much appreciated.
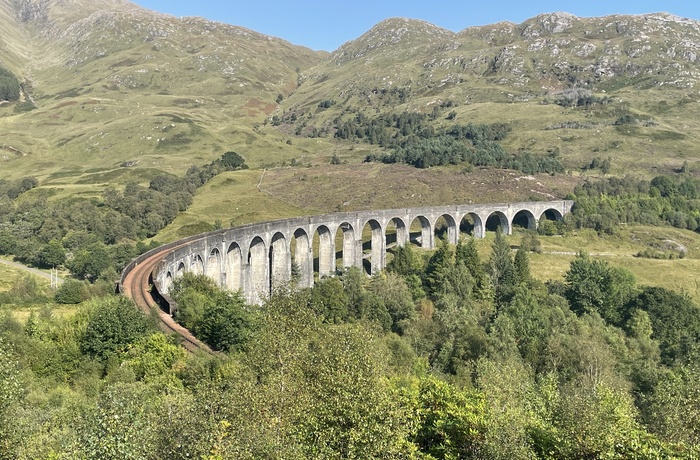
(111, 92)
(106, 82)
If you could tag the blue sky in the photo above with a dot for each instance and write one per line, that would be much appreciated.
(324, 25)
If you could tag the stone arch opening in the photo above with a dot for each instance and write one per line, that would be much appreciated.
(302, 262)
(396, 233)
(421, 232)
(213, 267)
(347, 241)
(547, 224)
(551, 214)
(197, 265)
(471, 224)
(259, 274)
(373, 247)
(324, 248)
(180, 270)
(524, 219)
(446, 228)
(234, 273)
(495, 220)
(280, 262)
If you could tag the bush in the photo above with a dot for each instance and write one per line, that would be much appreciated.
(115, 324)
(71, 292)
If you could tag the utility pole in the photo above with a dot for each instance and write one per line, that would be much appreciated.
(54, 278)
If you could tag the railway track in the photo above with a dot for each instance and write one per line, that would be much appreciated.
(137, 284)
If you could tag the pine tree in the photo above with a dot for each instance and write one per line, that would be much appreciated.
(521, 262)
(438, 269)
(468, 255)
(502, 269)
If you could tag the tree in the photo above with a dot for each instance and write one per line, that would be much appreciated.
(451, 422)
(226, 324)
(596, 286)
(330, 301)
(503, 274)
(89, 262)
(115, 323)
(221, 319)
(437, 271)
(674, 321)
(52, 254)
(674, 407)
(71, 292)
(521, 265)
(405, 262)
(233, 161)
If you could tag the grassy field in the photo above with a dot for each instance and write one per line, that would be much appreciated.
(10, 275)
(620, 250)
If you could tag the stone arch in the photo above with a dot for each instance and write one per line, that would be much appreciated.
(497, 219)
(396, 232)
(303, 257)
(180, 270)
(234, 263)
(471, 224)
(197, 265)
(167, 282)
(375, 247)
(546, 223)
(258, 263)
(280, 262)
(524, 219)
(324, 246)
(347, 254)
(551, 214)
(213, 266)
(449, 230)
(421, 233)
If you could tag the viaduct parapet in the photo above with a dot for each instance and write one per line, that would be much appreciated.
(258, 258)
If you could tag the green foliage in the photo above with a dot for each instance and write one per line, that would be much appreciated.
(329, 300)
(451, 422)
(120, 426)
(674, 321)
(674, 407)
(413, 141)
(89, 263)
(405, 261)
(11, 392)
(502, 270)
(603, 205)
(437, 271)
(71, 292)
(233, 161)
(221, 319)
(154, 360)
(52, 254)
(596, 286)
(9, 86)
(115, 324)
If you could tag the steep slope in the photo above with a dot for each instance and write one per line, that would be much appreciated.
(616, 86)
(108, 82)
(114, 92)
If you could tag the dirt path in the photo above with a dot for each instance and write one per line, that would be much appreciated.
(31, 270)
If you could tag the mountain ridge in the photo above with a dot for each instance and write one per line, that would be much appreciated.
(108, 83)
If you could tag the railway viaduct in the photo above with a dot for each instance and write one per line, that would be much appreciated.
(258, 258)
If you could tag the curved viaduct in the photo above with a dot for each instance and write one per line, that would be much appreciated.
(258, 258)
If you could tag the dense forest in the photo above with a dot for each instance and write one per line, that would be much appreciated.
(442, 356)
